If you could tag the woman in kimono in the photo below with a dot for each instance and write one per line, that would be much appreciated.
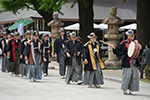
(45, 48)
(33, 54)
(23, 68)
(130, 75)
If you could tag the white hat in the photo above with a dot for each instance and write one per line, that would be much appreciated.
(91, 35)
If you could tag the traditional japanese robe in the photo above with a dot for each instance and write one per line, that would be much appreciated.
(23, 68)
(61, 57)
(93, 70)
(14, 59)
(130, 77)
(46, 59)
(74, 71)
(5, 61)
(58, 45)
(32, 50)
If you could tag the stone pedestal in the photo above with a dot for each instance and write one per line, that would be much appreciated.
(113, 63)
(55, 25)
(112, 36)
(113, 39)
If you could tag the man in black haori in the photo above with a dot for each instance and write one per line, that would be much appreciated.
(130, 75)
(45, 49)
(14, 58)
(73, 62)
(59, 52)
(93, 75)
(23, 68)
(3, 46)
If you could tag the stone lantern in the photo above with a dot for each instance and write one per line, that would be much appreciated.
(55, 25)
(112, 35)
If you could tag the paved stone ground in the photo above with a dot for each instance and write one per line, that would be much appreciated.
(54, 88)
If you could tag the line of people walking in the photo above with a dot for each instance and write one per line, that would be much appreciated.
(28, 57)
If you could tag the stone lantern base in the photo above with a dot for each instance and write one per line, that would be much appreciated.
(112, 63)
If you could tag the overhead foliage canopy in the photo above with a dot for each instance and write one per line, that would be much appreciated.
(41, 5)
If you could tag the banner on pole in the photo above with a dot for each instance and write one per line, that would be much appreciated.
(20, 29)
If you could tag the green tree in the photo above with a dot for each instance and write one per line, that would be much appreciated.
(44, 7)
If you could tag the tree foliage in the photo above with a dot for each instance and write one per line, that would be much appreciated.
(40, 5)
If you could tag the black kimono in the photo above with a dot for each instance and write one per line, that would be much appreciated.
(74, 71)
(130, 76)
(59, 49)
(5, 62)
(23, 68)
(46, 58)
(121, 52)
(93, 74)
(74, 48)
(58, 45)
(13, 48)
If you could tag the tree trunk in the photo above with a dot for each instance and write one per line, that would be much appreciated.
(47, 18)
(143, 21)
(86, 15)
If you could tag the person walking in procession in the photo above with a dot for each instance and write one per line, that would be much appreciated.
(93, 75)
(23, 68)
(3, 46)
(74, 50)
(59, 52)
(14, 58)
(130, 75)
(33, 55)
(45, 48)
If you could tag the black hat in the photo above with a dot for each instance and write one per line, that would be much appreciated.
(61, 30)
(130, 32)
(44, 35)
(73, 34)
(91, 35)
(35, 33)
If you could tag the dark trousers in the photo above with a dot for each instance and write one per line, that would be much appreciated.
(14, 66)
(45, 67)
(141, 70)
(62, 64)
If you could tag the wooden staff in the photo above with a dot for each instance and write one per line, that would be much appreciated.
(104, 42)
